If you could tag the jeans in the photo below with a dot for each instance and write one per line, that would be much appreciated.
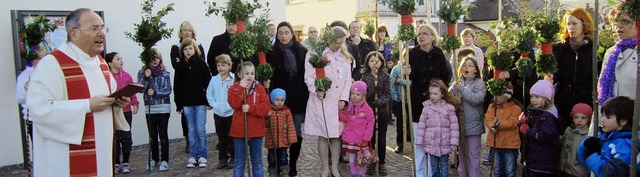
(294, 149)
(439, 165)
(157, 126)
(505, 162)
(196, 120)
(382, 138)
(397, 111)
(281, 155)
(123, 141)
(225, 144)
(240, 157)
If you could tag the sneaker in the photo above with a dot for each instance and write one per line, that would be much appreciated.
(486, 161)
(164, 166)
(116, 168)
(202, 162)
(126, 168)
(398, 150)
(151, 165)
(222, 164)
(230, 164)
(382, 170)
(192, 162)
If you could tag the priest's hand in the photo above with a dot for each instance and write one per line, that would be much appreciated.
(122, 101)
(99, 103)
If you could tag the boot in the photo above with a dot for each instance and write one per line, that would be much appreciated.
(186, 147)
(382, 170)
(222, 164)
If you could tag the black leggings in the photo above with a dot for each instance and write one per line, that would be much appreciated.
(123, 141)
(157, 126)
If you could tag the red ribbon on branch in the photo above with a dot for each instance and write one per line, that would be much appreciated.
(546, 48)
(262, 58)
(240, 26)
(524, 55)
(451, 29)
(406, 19)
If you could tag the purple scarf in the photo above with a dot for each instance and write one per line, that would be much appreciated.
(608, 78)
(290, 64)
(155, 72)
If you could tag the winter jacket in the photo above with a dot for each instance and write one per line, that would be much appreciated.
(364, 48)
(356, 64)
(259, 107)
(396, 73)
(175, 54)
(378, 95)
(217, 95)
(220, 45)
(506, 136)
(160, 101)
(472, 93)
(616, 146)
(424, 67)
(570, 142)
(359, 123)
(123, 79)
(543, 140)
(280, 128)
(297, 91)
(191, 81)
(387, 51)
(574, 79)
(627, 64)
(438, 131)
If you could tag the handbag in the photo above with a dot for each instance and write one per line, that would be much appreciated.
(366, 156)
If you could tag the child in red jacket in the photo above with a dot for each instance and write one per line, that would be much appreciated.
(358, 130)
(281, 133)
(247, 97)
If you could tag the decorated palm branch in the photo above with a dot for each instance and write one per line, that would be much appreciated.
(32, 34)
(405, 8)
(500, 58)
(318, 61)
(264, 71)
(450, 11)
(150, 30)
(525, 40)
(548, 26)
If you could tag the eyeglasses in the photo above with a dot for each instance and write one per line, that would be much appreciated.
(622, 22)
(93, 28)
(313, 32)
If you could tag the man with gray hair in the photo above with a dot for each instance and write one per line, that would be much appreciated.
(73, 115)
(312, 32)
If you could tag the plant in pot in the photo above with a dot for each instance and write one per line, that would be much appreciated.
(548, 26)
(32, 34)
(150, 30)
(450, 11)
(405, 8)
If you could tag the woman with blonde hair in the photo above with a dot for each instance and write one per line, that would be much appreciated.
(322, 107)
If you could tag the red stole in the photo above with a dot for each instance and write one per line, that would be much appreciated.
(82, 158)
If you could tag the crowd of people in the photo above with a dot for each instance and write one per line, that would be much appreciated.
(368, 89)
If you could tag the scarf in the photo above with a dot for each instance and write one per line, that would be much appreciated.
(155, 71)
(608, 78)
(353, 106)
(290, 64)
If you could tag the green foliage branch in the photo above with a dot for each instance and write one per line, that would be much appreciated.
(151, 29)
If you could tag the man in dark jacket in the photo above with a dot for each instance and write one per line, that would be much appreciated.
(353, 50)
(220, 45)
(364, 45)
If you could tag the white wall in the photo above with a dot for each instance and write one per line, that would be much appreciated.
(119, 17)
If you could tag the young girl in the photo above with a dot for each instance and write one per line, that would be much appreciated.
(246, 96)
(122, 138)
(281, 133)
(610, 154)
(155, 76)
(376, 77)
(539, 127)
(359, 122)
(438, 131)
(571, 139)
(503, 138)
(469, 91)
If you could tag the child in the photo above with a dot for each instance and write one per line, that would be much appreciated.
(191, 81)
(122, 138)
(573, 136)
(222, 112)
(247, 97)
(539, 127)
(469, 38)
(610, 154)
(398, 84)
(503, 138)
(157, 79)
(376, 78)
(281, 133)
(438, 131)
(469, 92)
(359, 122)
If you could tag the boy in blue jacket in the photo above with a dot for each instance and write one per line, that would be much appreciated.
(610, 154)
(222, 112)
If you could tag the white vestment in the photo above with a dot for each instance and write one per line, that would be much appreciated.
(58, 122)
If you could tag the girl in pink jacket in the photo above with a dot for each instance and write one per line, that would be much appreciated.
(438, 128)
(359, 121)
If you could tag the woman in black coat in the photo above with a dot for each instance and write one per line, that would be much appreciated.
(287, 58)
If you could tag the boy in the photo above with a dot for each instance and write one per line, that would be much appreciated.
(281, 133)
(469, 38)
(610, 153)
(222, 112)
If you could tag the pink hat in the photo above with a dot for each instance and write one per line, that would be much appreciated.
(582, 109)
(359, 86)
(543, 88)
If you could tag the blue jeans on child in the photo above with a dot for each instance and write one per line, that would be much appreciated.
(439, 165)
(240, 157)
(281, 155)
(196, 120)
(505, 162)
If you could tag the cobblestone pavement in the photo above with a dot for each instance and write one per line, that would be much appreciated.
(308, 165)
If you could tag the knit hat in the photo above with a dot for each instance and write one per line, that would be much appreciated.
(359, 86)
(582, 109)
(277, 92)
(543, 88)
